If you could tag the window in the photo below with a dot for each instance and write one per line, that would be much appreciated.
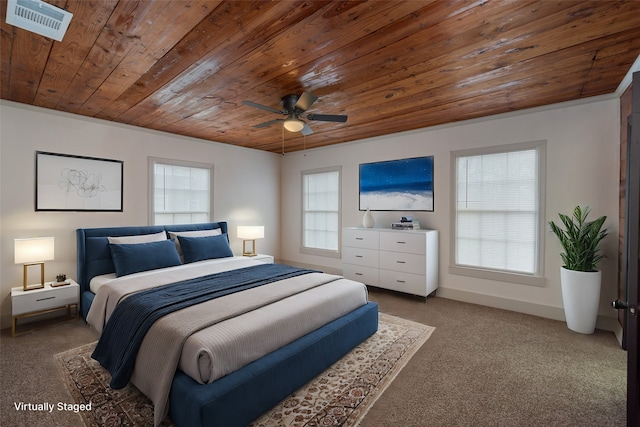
(180, 191)
(321, 211)
(498, 205)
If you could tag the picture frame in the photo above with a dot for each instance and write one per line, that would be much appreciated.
(67, 182)
(397, 185)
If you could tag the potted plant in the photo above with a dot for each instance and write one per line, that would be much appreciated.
(579, 277)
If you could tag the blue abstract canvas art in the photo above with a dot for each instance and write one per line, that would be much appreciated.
(397, 185)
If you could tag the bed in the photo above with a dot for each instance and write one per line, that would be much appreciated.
(237, 394)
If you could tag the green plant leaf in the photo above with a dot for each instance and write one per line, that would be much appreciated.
(580, 239)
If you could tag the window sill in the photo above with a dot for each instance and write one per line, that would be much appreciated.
(321, 252)
(502, 276)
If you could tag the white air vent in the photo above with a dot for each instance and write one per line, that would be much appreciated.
(38, 17)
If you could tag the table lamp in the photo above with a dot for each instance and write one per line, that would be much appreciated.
(249, 233)
(33, 251)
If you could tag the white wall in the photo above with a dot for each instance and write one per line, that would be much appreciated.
(582, 168)
(246, 184)
(254, 187)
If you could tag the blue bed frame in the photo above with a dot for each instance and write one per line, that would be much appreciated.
(242, 396)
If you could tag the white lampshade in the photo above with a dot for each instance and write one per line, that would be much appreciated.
(250, 232)
(36, 249)
(293, 125)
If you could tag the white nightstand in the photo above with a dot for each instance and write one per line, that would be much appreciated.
(44, 300)
(267, 259)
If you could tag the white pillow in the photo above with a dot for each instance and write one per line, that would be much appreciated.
(197, 233)
(141, 238)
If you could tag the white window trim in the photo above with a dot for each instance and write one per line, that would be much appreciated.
(314, 251)
(153, 160)
(536, 279)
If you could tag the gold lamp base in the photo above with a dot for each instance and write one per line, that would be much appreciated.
(253, 248)
(24, 278)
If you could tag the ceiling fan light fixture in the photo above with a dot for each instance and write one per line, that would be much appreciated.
(293, 124)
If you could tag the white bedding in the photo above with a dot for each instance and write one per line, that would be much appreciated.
(111, 292)
(229, 345)
(98, 281)
(278, 314)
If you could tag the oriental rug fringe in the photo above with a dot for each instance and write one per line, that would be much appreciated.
(340, 396)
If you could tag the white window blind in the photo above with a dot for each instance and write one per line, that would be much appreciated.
(321, 210)
(498, 210)
(180, 192)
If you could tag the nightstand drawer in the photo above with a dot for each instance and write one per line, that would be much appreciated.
(44, 299)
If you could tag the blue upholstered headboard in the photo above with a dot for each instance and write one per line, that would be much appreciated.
(94, 256)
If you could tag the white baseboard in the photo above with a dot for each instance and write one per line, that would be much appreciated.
(548, 312)
(617, 330)
(555, 313)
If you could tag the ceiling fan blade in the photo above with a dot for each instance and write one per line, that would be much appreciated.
(262, 107)
(327, 117)
(269, 123)
(305, 101)
(306, 130)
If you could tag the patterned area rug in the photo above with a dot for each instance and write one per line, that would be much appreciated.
(340, 396)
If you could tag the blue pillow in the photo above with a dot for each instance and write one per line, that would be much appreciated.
(137, 257)
(201, 248)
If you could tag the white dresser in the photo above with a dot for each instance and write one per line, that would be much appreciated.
(402, 260)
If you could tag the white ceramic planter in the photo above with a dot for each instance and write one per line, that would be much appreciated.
(581, 299)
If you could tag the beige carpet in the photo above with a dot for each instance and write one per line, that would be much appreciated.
(340, 396)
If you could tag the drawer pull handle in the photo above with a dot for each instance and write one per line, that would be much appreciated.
(400, 262)
(359, 274)
(359, 238)
(402, 243)
(401, 281)
(44, 299)
(358, 256)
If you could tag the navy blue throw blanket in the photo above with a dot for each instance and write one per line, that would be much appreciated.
(131, 319)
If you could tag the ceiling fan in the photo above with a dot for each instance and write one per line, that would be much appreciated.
(293, 106)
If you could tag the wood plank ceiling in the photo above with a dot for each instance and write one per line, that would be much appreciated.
(186, 66)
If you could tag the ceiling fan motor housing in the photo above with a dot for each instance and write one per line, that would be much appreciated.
(288, 103)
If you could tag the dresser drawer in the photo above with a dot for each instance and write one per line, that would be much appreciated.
(403, 241)
(360, 256)
(399, 261)
(359, 238)
(45, 299)
(403, 282)
(361, 273)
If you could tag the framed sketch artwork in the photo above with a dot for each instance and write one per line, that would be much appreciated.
(75, 183)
